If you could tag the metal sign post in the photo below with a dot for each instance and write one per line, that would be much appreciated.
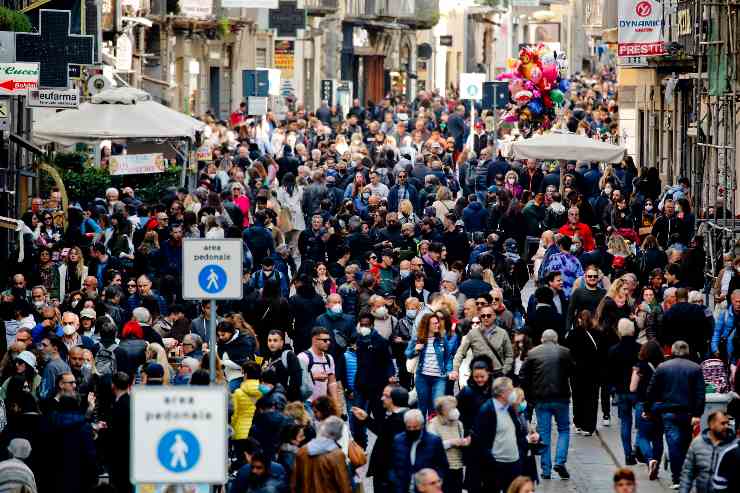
(212, 270)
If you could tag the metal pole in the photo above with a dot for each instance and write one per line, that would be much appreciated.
(212, 342)
(495, 123)
(472, 125)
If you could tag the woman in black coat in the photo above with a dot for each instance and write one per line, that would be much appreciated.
(589, 350)
(476, 392)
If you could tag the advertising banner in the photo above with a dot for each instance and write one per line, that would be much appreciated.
(640, 28)
(136, 164)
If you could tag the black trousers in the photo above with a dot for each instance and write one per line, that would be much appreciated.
(585, 403)
(498, 476)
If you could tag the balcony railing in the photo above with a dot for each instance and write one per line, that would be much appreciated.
(419, 13)
(320, 7)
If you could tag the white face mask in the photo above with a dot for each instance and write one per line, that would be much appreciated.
(453, 415)
(364, 331)
(336, 308)
(381, 312)
(69, 329)
(74, 303)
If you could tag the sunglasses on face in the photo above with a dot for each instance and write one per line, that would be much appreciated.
(486, 315)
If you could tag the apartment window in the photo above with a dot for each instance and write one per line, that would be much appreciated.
(261, 57)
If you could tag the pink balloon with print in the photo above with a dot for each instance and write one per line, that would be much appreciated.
(550, 72)
(535, 75)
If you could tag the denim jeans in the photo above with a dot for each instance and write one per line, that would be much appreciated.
(372, 405)
(625, 409)
(545, 412)
(427, 390)
(649, 436)
(677, 428)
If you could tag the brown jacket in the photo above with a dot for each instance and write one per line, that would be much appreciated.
(320, 469)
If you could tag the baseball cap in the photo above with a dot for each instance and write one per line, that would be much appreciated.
(88, 313)
(28, 358)
(154, 371)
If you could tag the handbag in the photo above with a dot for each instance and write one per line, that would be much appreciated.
(411, 364)
(356, 455)
(285, 220)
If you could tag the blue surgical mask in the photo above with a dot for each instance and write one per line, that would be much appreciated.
(522, 406)
(404, 274)
(411, 313)
(512, 398)
(264, 389)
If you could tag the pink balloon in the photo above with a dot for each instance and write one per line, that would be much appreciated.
(529, 85)
(550, 72)
(536, 94)
(505, 76)
(535, 75)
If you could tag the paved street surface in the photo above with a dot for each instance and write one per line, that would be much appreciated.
(591, 463)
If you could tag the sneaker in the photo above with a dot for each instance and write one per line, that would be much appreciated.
(606, 421)
(675, 486)
(631, 461)
(653, 468)
(579, 431)
(588, 433)
(561, 470)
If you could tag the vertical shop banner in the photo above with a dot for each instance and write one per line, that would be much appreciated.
(640, 28)
(285, 62)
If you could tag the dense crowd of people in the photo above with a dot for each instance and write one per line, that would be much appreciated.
(383, 337)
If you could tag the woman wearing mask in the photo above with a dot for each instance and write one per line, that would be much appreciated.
(511, 183)
(406, 214)
(646, 220)
(434, 361)
(384, 322)
(70, 274)
(648, 315)
(25, 366)
(400, 338)
(241, 200)
(649, 439)
(446, 425)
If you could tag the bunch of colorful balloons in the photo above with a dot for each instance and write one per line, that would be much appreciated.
(536, 89)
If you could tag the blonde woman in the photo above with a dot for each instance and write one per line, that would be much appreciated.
(444, 203)
(618, 246)
(340, 144)
(70, 273)
(155, 352)
(406, 213)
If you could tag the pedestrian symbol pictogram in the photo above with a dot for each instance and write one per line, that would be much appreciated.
(212, 278)
(178, 451)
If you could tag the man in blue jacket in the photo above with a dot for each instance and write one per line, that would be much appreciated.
(725, 330)
(413, 450)
(400, 191)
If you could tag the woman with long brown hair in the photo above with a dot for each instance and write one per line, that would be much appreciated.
(70, 274)
(434, 360)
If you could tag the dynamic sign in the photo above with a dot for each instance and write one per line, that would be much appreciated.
(640, 28)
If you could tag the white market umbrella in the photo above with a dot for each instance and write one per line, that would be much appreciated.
(567, 147)
(120, 113)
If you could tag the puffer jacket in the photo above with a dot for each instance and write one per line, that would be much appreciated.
(702, 460)
(244, 400)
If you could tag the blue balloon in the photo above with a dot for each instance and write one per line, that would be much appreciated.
(564, 85)
(535, 106)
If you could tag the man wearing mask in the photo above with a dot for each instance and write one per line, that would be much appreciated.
(70, 328)
(496, 436)
(39, 298)
(413, 450)
(341, 327)
(375, 371)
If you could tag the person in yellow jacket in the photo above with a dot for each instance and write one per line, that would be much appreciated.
(244, 401)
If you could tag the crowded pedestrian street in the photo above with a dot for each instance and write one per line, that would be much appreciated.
(369, 246)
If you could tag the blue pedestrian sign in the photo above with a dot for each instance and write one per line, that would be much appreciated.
(212, 269)
(178, 451)
(179, 435)
(212, 279)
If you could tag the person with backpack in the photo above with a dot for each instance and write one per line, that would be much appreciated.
(108, 355)
(725, 337)
(280, 360)
(319, 365)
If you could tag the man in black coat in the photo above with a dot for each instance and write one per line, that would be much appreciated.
(119, 434)
(386, 427)
(686, 321)
(428, 450)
